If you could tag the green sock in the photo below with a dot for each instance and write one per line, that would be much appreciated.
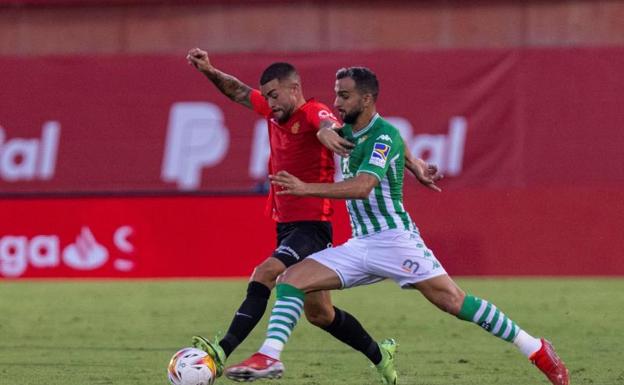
(489, 317)
(284, 317)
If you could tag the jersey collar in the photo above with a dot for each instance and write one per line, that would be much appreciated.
(365, 129)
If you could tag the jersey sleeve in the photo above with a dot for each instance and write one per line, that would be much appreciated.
(379, 153)
(319, 113)
(259, 103)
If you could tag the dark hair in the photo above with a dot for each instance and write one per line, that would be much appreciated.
(365, 79)
(277, 71)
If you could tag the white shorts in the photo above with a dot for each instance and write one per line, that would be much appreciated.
(396, 254)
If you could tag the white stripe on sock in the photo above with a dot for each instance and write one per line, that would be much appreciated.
(508, 329)
(492, 313)
(499, 323)
(289, 301)
(479, 312)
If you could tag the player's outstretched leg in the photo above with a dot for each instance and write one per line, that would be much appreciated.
(213, 349)
(494, 321)
(386, 368)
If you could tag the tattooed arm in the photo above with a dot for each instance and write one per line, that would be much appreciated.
(230, 86)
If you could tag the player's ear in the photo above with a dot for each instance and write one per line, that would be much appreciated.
(296, 87)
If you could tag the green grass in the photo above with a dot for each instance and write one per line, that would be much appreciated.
(124, 332)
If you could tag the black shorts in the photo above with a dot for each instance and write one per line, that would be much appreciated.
(297, 240)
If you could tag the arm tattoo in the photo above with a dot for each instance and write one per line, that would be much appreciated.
(326, 123)
(231, 87)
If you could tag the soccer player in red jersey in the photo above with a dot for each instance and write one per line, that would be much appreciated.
(302, 139)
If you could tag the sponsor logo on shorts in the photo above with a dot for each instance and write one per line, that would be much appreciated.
(380, 154)
(288, 251)
(410, 266)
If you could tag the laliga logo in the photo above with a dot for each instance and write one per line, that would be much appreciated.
(28, 159)
(44, 251)
(196, 138)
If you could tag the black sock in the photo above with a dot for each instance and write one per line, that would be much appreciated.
(247, 317)
(348, 330)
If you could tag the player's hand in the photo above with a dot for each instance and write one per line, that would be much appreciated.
(330, 139)
(199, 59)
(290, 184)
(427, 174)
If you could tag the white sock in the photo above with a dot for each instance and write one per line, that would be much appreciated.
(527, 343)
(272, 348)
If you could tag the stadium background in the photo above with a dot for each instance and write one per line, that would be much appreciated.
(118, 160)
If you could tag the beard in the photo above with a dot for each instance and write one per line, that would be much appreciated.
(283, 117)
(351, 117)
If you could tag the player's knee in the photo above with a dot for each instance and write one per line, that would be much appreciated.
(267, 273)
(282, 278)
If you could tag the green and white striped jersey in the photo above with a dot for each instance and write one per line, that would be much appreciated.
(379, 151)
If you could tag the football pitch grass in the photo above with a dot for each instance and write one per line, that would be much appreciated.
(124, 332)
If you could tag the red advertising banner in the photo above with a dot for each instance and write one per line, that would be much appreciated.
(491, 118)
(133, 237)
(545, 232)
(530, 142)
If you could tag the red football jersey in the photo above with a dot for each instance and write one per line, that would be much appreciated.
(296, 149)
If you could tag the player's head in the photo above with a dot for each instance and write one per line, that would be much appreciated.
(356, 91)
(281, 86)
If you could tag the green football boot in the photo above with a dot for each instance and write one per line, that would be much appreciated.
(213, 349)
(386, 368)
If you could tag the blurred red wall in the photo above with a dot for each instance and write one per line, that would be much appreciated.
(88, 27)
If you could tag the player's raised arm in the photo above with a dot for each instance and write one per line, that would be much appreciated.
(427, 174)
(329, 137)
(230, 86)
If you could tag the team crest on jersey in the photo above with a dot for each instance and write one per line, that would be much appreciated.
(380, 154)
(295, 127)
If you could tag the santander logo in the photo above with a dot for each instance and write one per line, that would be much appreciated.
(84, 253)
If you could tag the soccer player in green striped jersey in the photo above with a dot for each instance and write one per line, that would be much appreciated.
(385, 244)
(380, 153)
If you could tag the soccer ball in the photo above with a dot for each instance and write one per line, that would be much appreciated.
(191, 366)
